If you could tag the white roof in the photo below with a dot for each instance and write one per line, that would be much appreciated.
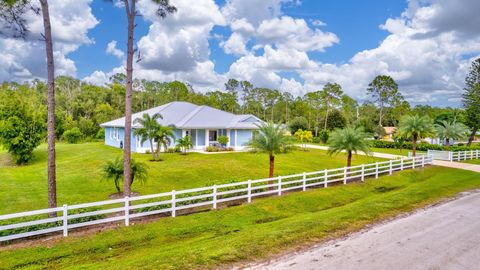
(186, 115)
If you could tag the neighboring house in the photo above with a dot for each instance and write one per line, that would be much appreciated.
(203, 124)
(389, 133)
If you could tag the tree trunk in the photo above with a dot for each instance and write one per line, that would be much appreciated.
(472, 136)
(349, 159)
(326, 119)
(381, 116)
(154, 154)
(52, 182)
(272, 167)
(414, 143)
(447, 143)
(130, 9)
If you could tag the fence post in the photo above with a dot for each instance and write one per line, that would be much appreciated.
(249, 191)
(127, 211)
(279, 186)
(214, 196)
(476, 154)
(450, 156)
(423, 161)
(325, 178)
(363, 172)
(413, 162)
(344, 175)
(401, 164)
(390, 167)
(376, 170)
(304, 182)
(65, 220)
(174, 206)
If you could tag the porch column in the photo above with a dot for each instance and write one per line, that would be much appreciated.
(184, 133)
(236, 139)
(206, 137)
(228, 136)
(196, 138)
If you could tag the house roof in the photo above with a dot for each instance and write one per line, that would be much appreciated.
(187, 115)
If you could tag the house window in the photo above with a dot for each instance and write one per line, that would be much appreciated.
(187, 132)
(115, 134)
(212, 135)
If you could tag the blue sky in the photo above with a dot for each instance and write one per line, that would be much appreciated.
(291, 45)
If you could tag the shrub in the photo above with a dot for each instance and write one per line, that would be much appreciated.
(323, 136)
(72, 135)
(223, 140)
(212, 149)
(173, 150)
(100, 134)
(298, 123)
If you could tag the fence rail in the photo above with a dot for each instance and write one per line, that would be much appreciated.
(454, 155)
(69, 217)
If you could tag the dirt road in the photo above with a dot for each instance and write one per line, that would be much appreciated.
(446, 236)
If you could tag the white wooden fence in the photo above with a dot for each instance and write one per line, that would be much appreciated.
(464, 155)
(69, 217)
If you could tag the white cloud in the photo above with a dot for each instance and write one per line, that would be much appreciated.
(25, 59)
(97, 77)
(113, 50)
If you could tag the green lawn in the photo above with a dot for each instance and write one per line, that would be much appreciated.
(472, 161)
(79, 173)
(251, 231)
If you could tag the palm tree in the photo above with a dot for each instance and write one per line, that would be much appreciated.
(184, 143)
(114, 170)
(164, 137)
(451, 130)
(149, 129)
(271, 139)
(415, 127)
(350, 140)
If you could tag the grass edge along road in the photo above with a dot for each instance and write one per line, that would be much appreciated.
(248, 232)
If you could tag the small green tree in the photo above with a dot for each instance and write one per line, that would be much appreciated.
(114, 170)
(22, 126)
(415, 127)
(471, 99)
(271, 139)
(164, 137)
(451, 130)
(222, 140)
(350, 140)
(72, 135)
(184, 144)
(304, 136)
(148, 130)
(384, 91)
(297, 123)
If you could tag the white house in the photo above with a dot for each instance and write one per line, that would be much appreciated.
(203, 124)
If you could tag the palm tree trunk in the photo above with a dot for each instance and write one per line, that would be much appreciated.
(472, 136)
(349, 159)
(272, 167)
(130, 9)
(52, 181)
(414, 143)
(381, 116)
(447, 143)
(154, 154)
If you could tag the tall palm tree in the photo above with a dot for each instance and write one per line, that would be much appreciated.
(350, 140)
(272, 139)
(415, 127)
(149, 129)
(451, 130)
(164, 137)
(12, 13)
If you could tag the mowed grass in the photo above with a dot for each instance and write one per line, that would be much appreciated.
(248, 232)
(472, 161)
(80, 178)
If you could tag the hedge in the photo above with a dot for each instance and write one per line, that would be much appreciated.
(421, 146)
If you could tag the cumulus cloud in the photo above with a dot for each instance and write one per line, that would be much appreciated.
(113, 50)
(25, 59)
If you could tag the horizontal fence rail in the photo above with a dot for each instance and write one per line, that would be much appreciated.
(454, 155)
(68, 217)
